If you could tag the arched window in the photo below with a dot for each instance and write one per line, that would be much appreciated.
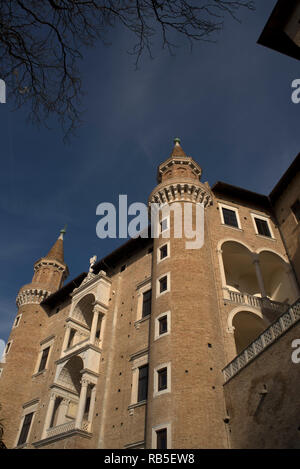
(239, 268)
(277, 282)
(247, 327)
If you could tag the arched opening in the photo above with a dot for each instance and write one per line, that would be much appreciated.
(83, 311)
(65, 406)
(70, 375)
(276, 280)
(239, 269)
(247, 327)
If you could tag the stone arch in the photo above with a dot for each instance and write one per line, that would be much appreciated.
(70, 374)
(238, 269)
(277, 281)
(247, 324)
(83, 310)
(224, 240)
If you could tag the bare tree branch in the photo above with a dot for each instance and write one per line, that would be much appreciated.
(41, 43)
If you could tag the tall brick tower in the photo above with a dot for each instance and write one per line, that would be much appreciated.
(185, 396)
(24, 340)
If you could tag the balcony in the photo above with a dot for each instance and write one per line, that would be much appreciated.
(67, 427)
(264, 304)
(272, 333)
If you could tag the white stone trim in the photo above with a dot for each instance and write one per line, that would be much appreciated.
(28, 408)
(166, 232)
(167, 243)
(264, 218)
(9, 344)
(31, 296)
(18, 323)
(136, 364)
(233, 209)
(141, 290)
(44, 344)
(157, 335)
(168, 275)
(156, 392)
(168, 427)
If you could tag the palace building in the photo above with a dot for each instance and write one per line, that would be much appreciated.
(160, 346)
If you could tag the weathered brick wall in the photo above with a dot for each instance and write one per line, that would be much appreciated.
(289, 226)
(271, 421)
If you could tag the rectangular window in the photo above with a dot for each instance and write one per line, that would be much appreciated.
(262, 227)
(44, 359)
(146, 303)
(25, 429)
(161, 438)
(296, 210)
(17, 320)
(162, 379)
(163, 251)
(163, 325)
(163, 284)
(164, 225)
(143, 383)
(229, 217)
(7, 348)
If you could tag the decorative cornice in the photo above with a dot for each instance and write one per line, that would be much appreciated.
(31, 296)
(179, 191)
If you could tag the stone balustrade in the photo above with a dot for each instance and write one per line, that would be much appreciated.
(275, 330)
(254, 301)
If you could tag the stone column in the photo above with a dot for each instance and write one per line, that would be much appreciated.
(222, 271)
(96, 312)
(92, 406)
(81, 404)
(292, 281)
(67, 337)
(259, 275)
(49, 414)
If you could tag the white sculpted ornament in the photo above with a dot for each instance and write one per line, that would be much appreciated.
(92, 263)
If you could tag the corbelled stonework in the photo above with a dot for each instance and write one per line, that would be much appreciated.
(31, 296)
(178, 190)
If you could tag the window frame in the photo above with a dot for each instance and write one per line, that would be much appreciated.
(263, 218)
(44, 360)
(7, 348)
(157, 334)
(146, 378)
(28, 408)
(157, 428)
(142, 287)
(137, 362)
(233, 209)
(44, 345)
(17, 323)
(156, 391)
(167, 244)
(143, 302)
(158, 292)
(167, 218)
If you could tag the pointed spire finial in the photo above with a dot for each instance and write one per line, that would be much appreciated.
(63, 232)
(177, 150)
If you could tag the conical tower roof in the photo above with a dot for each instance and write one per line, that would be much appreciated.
(57, 251)
(177, 149)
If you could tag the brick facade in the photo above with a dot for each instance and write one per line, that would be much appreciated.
(86, 396)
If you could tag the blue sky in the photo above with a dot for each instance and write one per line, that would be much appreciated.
(230, 102)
